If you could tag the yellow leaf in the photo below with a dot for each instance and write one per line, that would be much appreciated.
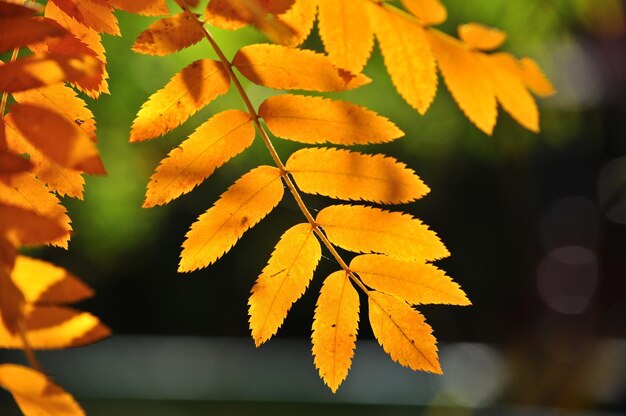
(319, 120)
(535, 79)
(346, 31)
(16, 32)
(169, 35)
(24, 227)
(408, 57)
(143, 7)
(27, 192)
(35, 394)
(481, 37)
(214, 143)
(510, 91)
(466, 80)
(11, 299)
(187, 92)
(56, 137)
(240, 208)
(35, 71)
(283, 281)
(235, 14)
(414, 282)
(280, 67)
(300, 19)
(429, 12)
(43, 282)
(373, 230)
(335, 327)
(403, 333)
(95, 14)
(354, 176)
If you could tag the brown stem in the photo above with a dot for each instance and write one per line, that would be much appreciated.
(5, 95)
(28, 350)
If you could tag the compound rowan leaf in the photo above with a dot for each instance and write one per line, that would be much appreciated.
(95, 14)
(466, 80)
(214, 143)
(428, 12)
(186, 93)
(59, 139)
(169, 35)
(414, 282)
(403, 333)
(534, 78)
(319, 120)
(355, 176)
(300, 18)
(283, 281)
(335, 327)
(24, 227)
(481, 37)
(408, 57)
(11, 163)
(372, 230)
(346, 32)
(240, 208)
(143, 7)
(35, 71)
(281, 67)
(44, 282)
(35, 394)
(16, 32)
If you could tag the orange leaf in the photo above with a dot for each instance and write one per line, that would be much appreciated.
(429, 12)
(300, 19)
(403, 333)
(10, 163)
(481, 37)
(335, 327)
(57, 138)
(214, 143)
(414, 282)
(319, 120)
(35, 394)
(187, 92)
(23, 227)
(143, 7)
(240, 208)
(408, 57)
(15, 10)
(235, 14)
(16, 32)
(535, 79)
(169, 35)
(355, 176)
(95, 14)
(373, 230)
(280, 67)
(11, 299)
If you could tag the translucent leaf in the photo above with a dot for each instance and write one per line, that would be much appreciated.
(11, 299)
(24, 227)
(535, 79)
(169, 35)
(15, 10)
(408, 57)
(373, 230)
(95, 14)
(240, 208)
(235, 14)
(214, 143)
(16, 32)
(319, 120)
(481, 37)
(414, 282)
(143, 7)
(335, 327)
(35, 394)
(300, 19)
(283, 281)
(429, 12)
(280, 67)
(187, 92)
(403, 333)
(11, 163)
(354, 176)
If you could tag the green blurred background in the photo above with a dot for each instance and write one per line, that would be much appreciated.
(535, 224)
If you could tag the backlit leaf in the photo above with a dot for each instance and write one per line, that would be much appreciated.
(319, 120)
(24, 227)
(280, 67)
(169, 35)
(214, 143)
(16, 32)
(11, 299)
(335, 327)
(414, 282)
(241, 207)
(16, 10)
(283, 281)
(11, 163)
(429, 12)
(373, 230)
(403, 333)
(235, 14)
(187, 92)
(300, 19)
(354, 176)
(535, 79)
(143, 7)
(95, 14)
(481, 37)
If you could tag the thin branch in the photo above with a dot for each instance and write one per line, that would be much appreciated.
(28, 350)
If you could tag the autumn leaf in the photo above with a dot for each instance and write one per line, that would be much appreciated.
(35, 394)
(354, 176)
(16, 32)
(16, 10)
(143, 7)
(187, 92)
(428, 12)
(24, 227)
(335, 327)
(10, 163)
(403, 333)
(240, 208)
(169, 35)
(372, 230)
(300, 18)
(283, 281)
(216, 141)
(534, 78)
(11, 299)
(320, 120)
(481, 37)
(95, 14)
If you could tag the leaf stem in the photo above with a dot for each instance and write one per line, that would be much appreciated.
(270, 147)
(28, 350)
